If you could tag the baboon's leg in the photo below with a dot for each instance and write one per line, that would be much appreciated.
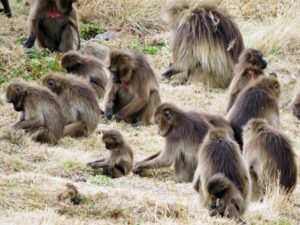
(69, 39)
(75, 129)
(148, 111)
(183, 171)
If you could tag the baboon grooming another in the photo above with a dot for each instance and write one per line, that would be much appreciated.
(206, 42)
(79, 103)
(88, 67)
(41, 114)
(132, 90)
(118, 161)
(223, 187)
(270, 156)
(55, 24)
(250, 66)
(6, 8)
(257, 100)
(183, 132)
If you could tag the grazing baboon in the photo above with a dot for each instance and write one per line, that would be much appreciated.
(257, 100)
(79, 103)
(55, 25)
(101, 52)
(222, 178)
(183, 132)
(206, 42)
(6, 8)
(88, 67)
(41, 114)
(69, 196)
(296, 105)
(250, 66)
(132, 90)
(270, 157)
(118, 161)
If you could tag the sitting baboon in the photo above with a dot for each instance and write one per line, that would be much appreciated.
(6, 8)
(206, 42)
(118, 161)
(132, 90)
(55, 25)
(222, 178)
(79, 102)
(257, 100)
(88, 67)
(250, 66)
(41, 114)
(270, 157)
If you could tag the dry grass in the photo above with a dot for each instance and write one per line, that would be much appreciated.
(32, 174)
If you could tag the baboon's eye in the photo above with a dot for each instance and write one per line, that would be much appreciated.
(50, 83)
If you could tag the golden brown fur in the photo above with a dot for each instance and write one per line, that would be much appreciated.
(101, 52)
(41, 114)
(79, 103)
(270, 157)
(296, 105)
(69, 196)
(55, 25)
(118, 160)
(132, 90)
(225, 187)
(257, 100)
(88, 67)
(183, 132)
(206, 42)
(250, 66)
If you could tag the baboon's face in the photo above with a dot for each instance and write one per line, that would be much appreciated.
(71, 61)
(16, 94)
(53, 83)
(164, 120)
(255, 58)
(112, 139)
(121, 67)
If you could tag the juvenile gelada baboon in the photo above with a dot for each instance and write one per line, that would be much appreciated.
(296, 105)
(6, 8)
(69, 196)
(223, 187)
(118, 160)
(183, 133)
(250, 66)
(257, 100)
(41, 114)
(132, 90)
(87, 67)
(79, 103)
(206, 42)
(55, 25)
(270, 157)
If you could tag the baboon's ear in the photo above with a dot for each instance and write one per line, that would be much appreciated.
(167, 114)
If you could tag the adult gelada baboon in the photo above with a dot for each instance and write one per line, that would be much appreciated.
(41, 114)
(79, 103)
(87, 67)
(250, 66)
(132, 90)
(6, 8)
(206, 42)
(257, 100)
(55, 25)
(222, 178)
(118, 160)
(270, 156)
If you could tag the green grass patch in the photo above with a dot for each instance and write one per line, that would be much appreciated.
(101, 180)
(149, 49)
(89, 30)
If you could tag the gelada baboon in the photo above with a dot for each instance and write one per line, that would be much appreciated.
(118, 160)
(250, 66)
(223, 187)
(296, 105)
(257, 100)
(6, 8)
(270, 157)
(183, 133)
(206, 42)
(55, 25)
(101, 52)
(88, 67)
(79, 103)
(132, 90)
(69, 196)
(41, 114)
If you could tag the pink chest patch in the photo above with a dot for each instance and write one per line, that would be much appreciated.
(125, 86)
(53, 13)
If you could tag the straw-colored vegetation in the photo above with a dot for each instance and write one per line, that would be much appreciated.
(32, 174)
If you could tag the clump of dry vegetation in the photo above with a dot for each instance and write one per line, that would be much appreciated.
(32, 174)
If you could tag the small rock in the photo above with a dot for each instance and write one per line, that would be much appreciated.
(80, 179)
(105, 36)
